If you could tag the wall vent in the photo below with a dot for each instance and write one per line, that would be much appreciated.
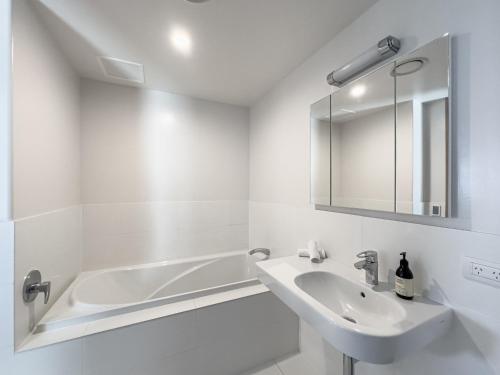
(122, 69)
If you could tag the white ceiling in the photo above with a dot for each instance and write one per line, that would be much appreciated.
(240, 48)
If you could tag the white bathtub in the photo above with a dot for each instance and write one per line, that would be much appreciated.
(124, 286)
(111, 292)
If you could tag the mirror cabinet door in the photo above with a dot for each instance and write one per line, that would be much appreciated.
(320, 152)
(363, 143)
(422, 130)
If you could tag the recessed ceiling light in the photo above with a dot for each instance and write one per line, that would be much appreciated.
(181, 40)
(358, 91)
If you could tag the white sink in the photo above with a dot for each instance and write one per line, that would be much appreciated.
(367, 323)
(355, 303)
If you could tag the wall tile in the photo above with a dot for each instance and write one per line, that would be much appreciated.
(139, 344)
(130, 153)
(297, 364)
(6, 316)
(50, 243)
(241, 334)
(185, 363)
(59, 359)
(45, 119)
(135, 233)
(316, 351)
(269, 369)
(6, 252)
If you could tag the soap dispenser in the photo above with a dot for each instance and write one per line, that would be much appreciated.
(404, 279)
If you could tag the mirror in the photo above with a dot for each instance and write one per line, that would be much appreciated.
(387, 137)
(363, 143)
(422, 130)
(320, 152)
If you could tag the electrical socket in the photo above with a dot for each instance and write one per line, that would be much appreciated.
(482, 271)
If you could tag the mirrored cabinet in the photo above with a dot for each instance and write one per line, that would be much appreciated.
(381, 142)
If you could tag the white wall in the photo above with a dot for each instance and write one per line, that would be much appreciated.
(5, 111)
(279, 181)
(46, 164)
(145, 145)
(46, 134)
(163, 176)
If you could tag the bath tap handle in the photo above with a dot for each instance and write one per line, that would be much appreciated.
(33, 285)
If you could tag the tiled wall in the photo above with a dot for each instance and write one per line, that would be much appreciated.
(45, 117)
(435, 258)
(46, 164)
(6, 286)
(134, 233)
(281, 218)
(51, 243)
(163, 176)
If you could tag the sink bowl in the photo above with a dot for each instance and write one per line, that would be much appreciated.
(367, 323)
(355, 303)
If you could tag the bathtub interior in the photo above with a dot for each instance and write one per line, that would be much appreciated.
(222, 271)
(123, 286)
(109, 292)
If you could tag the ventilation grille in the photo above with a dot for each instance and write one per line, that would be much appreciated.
(121, 69)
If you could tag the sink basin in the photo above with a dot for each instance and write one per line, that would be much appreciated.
(355, 303)
(367, 323)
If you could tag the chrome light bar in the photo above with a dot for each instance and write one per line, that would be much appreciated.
(384, 49)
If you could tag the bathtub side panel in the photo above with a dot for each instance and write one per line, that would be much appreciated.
(223, 339)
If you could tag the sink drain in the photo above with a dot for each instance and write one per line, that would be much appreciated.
(349, 319)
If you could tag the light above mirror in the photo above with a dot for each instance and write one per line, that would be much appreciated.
(358, 91)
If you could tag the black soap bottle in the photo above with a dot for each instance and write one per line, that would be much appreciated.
(404, 279)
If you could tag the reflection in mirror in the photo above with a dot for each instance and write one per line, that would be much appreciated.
(422, 94)
(320, 152)
(363, 143)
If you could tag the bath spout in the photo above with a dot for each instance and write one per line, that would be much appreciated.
(261, 250)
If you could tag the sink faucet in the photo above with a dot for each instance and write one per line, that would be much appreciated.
(369, 263)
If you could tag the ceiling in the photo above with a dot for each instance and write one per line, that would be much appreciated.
(240, 48)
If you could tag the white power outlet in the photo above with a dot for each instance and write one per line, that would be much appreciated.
(482, 271)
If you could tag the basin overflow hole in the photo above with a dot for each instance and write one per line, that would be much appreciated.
(349, 319)
(362, 294)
